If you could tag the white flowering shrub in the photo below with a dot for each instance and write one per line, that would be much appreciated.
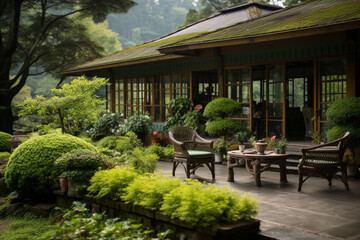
(107, 124)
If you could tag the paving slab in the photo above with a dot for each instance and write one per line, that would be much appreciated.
(317, 212)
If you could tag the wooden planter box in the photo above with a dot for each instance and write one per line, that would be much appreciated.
(160, 222)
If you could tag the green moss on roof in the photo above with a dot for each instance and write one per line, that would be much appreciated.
(309, 14)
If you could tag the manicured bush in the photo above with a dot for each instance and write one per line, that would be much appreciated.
(223, 127)
(120, 143)
(139, 124)
(207, 205)
(107, 124)
(148, 191)
(339, 131)
(4, 144)
(4, 155)
(111, 184)
(31, 164)
(221, 108)
(344, 111)
(78, 164)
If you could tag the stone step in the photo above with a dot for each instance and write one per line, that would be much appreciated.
(288, 233)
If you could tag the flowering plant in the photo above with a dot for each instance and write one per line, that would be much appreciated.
(272, 142)
(155, 133)
(220, 146)
(283, 143)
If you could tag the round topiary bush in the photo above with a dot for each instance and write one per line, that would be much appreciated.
(223, 127)
(4, 144)
(30, 166)
(339, 130)
(221, 107)
(344, 111)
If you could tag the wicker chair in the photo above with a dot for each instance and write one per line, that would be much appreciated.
(191, 151)
(324, 160)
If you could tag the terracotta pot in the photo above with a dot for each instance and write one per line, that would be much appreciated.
(260, 146)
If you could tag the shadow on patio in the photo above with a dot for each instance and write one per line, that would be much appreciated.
(318, 212)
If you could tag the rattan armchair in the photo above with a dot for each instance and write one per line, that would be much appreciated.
(191, 151)
(324, 160)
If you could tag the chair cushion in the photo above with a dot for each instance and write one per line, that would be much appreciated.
(199, 154)
(314, 161)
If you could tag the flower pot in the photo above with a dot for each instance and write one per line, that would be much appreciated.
(282, 150)
(63, 184)
(260, 147)
(218, 158)
(277, 150)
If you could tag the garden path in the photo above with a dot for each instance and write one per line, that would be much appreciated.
(318, 212)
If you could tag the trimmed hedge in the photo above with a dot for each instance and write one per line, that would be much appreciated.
(344, 111)
(4, 144)
(223, 127)
(339, 131)
(30, 166)
(221, 107)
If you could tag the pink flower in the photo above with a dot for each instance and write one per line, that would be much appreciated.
(155, 133)
(273, 138)
(198, 107)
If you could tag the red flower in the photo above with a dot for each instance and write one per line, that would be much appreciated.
(155, 133)
(273, 138)
(198, 107)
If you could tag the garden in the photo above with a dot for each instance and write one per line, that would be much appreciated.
(81, 152)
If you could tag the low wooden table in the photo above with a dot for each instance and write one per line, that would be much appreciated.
(252, 162)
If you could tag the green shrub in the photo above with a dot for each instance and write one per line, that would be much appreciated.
(120, 143)
(223, 127)
(111, 184)
(31, 164)
(79, 223)
(4, 144)
(162, 152)
(221, 108)
(148, 191)
(338, 131)
(4, 155)
(206, 205)
(107, 124)
(139, 124)
(143, 163)
(178, 107)
(78, 164)
(344, 111)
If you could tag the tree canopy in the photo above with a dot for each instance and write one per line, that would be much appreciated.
(42, 36)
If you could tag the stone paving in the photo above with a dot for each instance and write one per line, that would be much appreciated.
(318, 212)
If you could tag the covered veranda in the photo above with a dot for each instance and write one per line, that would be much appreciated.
(317, 212)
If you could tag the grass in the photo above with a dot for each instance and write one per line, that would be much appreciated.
(28, 227)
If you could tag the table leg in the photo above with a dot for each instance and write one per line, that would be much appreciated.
(282, 165)
(256, 167)
(230, 162)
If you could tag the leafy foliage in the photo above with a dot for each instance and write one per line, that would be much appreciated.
(78, 164)
(344, 111)
(121, 144)
(106, 124)
(79, 223)
(111, 184)
(4, 144)
(4, 155)
(148, 190)
(205, 205)
(162, 152)
(220, 147)
(139, 124)
(178, 107)
(71, 108)
(142, 163)
(32, 163)
(339, 130)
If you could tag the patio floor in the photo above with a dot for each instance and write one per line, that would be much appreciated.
(318, 212)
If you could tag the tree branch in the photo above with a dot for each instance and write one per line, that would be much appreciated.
(14, 28)
(20, 85)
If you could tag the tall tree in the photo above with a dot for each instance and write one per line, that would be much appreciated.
(38, 36)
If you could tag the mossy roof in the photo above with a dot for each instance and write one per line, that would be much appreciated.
(313, 13)
(142, 51)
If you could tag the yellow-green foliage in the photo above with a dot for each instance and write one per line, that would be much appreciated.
(111, 184)
(233, 147)
(4, 155)
(206, 205)
(148, 191)
(4, 144)
(163, 152)
(143, 163)
(31, 164)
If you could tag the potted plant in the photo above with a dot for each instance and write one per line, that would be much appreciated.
(220, 150)
(241, 137)
(282, 145)
(77, 166)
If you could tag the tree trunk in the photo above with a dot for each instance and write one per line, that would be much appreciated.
(6, 117)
